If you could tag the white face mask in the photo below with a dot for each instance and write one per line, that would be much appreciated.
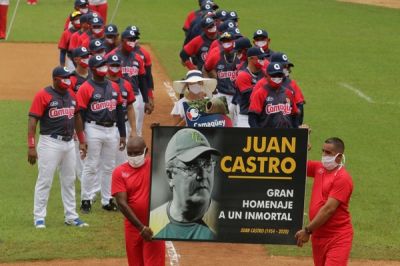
(83, 10)
(97, 31)
(137, 161)
(110, 40)
(261, 61)
(329, 162)
(115, 69)
(66, 81)
(102, 69)
(277, 80)
(261, 44)
(213, 29)
(286, 72)
(195, 88)
(85, 60)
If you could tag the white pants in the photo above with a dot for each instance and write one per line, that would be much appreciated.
(231, 107)
(53, 153)
(79, 161)
(138, 107)
(122, 155)
(100, 161)
(242, 121)
(69, 64)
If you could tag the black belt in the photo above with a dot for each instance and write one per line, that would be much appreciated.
(59, 137)
(104, 124)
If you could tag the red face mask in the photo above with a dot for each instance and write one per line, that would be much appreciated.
(101, 71)
(114, 70)
(228, 46)
(211, 32)
(129, 45)
(64, 83)
(76, 23)
(84, 62)
(258, 63)
(275, 82)
(98, 32)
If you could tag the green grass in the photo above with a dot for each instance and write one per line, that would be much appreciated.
(329, 43)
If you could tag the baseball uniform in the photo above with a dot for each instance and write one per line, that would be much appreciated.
(55, 149)
(136, 183)
(196, 51)
(101, 102)
(3, 18)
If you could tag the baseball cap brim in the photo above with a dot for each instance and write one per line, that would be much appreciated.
(191, 154)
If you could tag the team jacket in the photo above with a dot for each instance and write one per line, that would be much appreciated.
(100, 100)
(65, 39)
(226, 71)
(197, 49)
(275, 108)
(245, 83)
(127, 94)
(76, 40)
(55, 112)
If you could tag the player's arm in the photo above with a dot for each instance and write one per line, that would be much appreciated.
(122, 200)
(189, 50)
(255, 109)
(129, 108)
(322, 216)
(120, 117)
(209, 66)
(32, 155)
(80, 134)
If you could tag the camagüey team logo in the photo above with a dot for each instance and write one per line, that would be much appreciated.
(111, 105)
(68, 111)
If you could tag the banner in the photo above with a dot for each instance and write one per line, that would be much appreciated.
(240, 185)
(196, 117)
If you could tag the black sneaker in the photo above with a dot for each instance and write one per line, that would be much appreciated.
(86, 206)
(111, 206)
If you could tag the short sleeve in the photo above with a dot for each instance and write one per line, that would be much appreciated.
(84, 94)
(312, 167)
(256, 101)
(342, 187)
(243, 82)
(117, 182)
(115, 86)
(211, 61)
(39, 104)
(142, 69)
(147, 57)
(131, 95)
(63, 43)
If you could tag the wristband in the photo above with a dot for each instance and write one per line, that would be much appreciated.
(150, 93)
(31, 141)
(81, 137)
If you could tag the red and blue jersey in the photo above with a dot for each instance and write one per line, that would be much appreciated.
(197, 49)
(65, 39)
(55, 111)
(100, 100)
(245, 83)
(127, 94)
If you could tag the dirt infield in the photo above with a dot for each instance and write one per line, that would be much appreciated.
(384, 3)
(20, 80)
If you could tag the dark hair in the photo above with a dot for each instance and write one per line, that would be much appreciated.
(337, 143)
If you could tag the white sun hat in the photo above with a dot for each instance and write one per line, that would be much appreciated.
(192, 76)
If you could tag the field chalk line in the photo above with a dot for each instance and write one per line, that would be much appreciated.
(115, 11)
(12, 20)
(356, 91)
(170, 90)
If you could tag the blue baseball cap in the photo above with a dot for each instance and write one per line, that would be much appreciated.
(96, 61)
(275, 69)
(281, 58)
(111, 29)
(242, 43)
(61, 72)
(114, 60)
(260, 33)
(232, 15)
(80, 52)
(129, 34)
(256, 51)
(97, 21)
(134, 28)
(80, 3)
(96, 45)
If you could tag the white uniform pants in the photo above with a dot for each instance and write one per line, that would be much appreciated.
(122, 155)
(53, 153)
(231, 107)
(138, 107)
(100, 161)
(242, 121)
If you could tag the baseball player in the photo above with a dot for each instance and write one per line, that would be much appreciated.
(241, 47)
(145, 55)
(96, 32)
(99, 6)
(245, 82)
(80, 57)
(216, 45)
(97, 47)
(79, 5)
(194, 53)
(134, 71)
(100, 102)
(75, 40)
(290, 83)
(223, 67)
(111, 40)
(195, 28)
(261, 39)
(128, 97)
(272, 105)
(55, 107)
(193, 15)
(220, 17)
(3, 18)
(63, 44)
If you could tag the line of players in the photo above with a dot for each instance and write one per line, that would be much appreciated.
(102, 88)
(253, 78)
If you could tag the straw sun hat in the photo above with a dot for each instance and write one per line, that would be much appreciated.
(192, 76)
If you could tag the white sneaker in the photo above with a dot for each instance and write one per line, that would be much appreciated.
(77, 222)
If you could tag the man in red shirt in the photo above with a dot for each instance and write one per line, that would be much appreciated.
(131, 187)
(330, 222)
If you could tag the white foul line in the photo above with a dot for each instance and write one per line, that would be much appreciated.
(170, 91)
(12, 20)
(357, 91)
